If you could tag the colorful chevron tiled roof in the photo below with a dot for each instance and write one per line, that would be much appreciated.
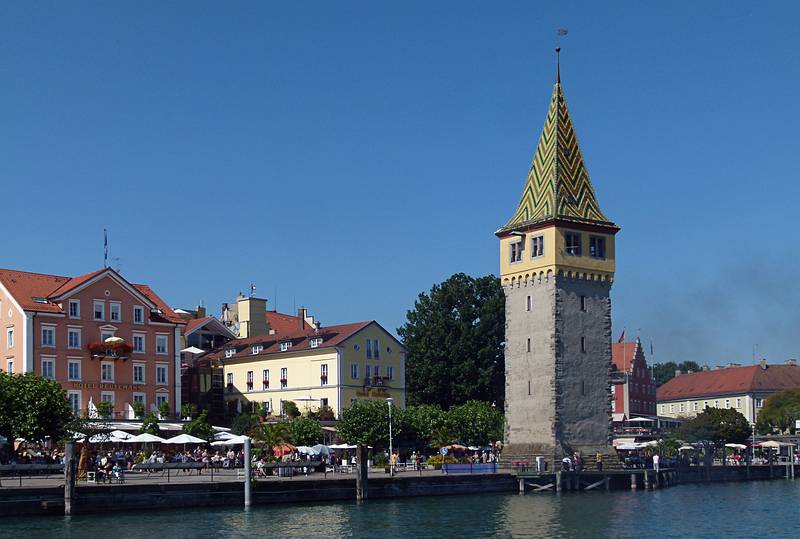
(558, 185)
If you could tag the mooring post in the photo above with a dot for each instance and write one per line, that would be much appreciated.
(521, 485)
(69, 476)
(607, 481)
(558, 481)
(361, 474)
(633, 481)
(646, 480)
(247, 471)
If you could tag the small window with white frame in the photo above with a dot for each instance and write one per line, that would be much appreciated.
(138, 343)
(230, 352)
(354, 371)
(265, 379)
(257, 349)
(10, 366)
(138, 373)
(376, 348)
(537, 246)
(10, 338)
(285, 345)
(229, 380)
(138, 314)
(390, 372)
(315, 342)
(49, 368)
(75, 308)
(106, 372)
(74, 338)
(74, 370)
(99, 309)
(249, 380)
(284, 377)
(162, 343)
(162, 377)
(323, 374)
(49, 336)
(74, 398)
(115, 312)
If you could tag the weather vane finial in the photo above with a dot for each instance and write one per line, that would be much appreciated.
(559, 33)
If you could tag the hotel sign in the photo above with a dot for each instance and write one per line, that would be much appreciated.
(78, 385)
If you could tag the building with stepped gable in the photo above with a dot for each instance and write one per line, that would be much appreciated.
(557, 267)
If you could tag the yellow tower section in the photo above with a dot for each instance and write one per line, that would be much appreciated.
(558, 227)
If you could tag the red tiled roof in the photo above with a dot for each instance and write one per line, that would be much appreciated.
(622, 355)
(196, 323)
(24, 286)
(285, 324)
(331, 335)
(730, 380)
(167, 314)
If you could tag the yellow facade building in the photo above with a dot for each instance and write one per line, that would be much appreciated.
(313, 366)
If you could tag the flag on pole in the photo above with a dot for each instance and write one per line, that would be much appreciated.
(651, 348)
(105, 248)
(562, 31)
(622, 337)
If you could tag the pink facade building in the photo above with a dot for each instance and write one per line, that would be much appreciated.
(101, 337)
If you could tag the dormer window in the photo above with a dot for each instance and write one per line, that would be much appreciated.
(315, 342)
(40, 300)
(257, 348)
(230, 352)
(285, 345)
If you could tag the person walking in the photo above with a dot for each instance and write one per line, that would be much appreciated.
(599, 460)
(655, 462)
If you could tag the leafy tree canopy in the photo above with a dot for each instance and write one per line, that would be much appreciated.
(780, 412)
(32, 407)
(454, 339)
(305, 431)
(367, 422)
(199, 427)
(150, 425)
(271, 434)
(717, 426)
(664, 372)
(423, 421)
(475, 423)
(243, 423)
(290, 409)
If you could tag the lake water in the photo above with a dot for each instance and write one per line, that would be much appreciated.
(758, 509)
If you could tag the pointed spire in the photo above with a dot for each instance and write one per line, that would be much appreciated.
(558, 65)
(558, 185)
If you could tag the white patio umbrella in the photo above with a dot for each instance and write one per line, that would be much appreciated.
(305, 450)
(193, 350)
(113, 437)
(236, 440)
(686, 448)
(321, 449)
(342, 446)
(144, 437)
(640, 420)
(184, 439)
(736, 446)
(223, 436)
(112, 340)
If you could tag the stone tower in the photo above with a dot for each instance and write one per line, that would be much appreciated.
(557, 266)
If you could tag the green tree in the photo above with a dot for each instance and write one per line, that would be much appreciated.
(454, 339)
(32, 407)
(105, 409)
(199, 427)
(138, 409)
(664, 372)
(367, 423)
(243, 423)
(716, 426)
(475, 423)
(305, 431)
(290, 409)
(150, 425)
(188, 410)
(422, 422)
(164, 410)
(780, 412)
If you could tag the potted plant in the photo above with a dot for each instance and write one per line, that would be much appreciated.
(163, 410)
(138, 410)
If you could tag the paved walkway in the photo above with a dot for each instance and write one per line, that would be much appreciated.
(177, 476)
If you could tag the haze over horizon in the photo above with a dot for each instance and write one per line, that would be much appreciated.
(347, 157)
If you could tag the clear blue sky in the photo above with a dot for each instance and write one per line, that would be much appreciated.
(351, 154)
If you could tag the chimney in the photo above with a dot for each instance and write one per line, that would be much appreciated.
(317, 325)
(763, 363)
(252, 313)
(201, 311)
(225, 313)
(791, 362)
(706, 368)
(677, 372)
(301, 314)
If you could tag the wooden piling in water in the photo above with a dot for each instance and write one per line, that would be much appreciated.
(633, 481)
(558, 482)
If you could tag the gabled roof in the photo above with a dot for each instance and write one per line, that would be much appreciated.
(198, 323)
(558, 185)
(38, 292)
(301, 340)
(729, 381)
(285, 324)
(624, 353)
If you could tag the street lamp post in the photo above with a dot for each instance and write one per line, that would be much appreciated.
(391, 452)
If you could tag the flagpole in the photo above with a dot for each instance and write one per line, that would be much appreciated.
(105, 248)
